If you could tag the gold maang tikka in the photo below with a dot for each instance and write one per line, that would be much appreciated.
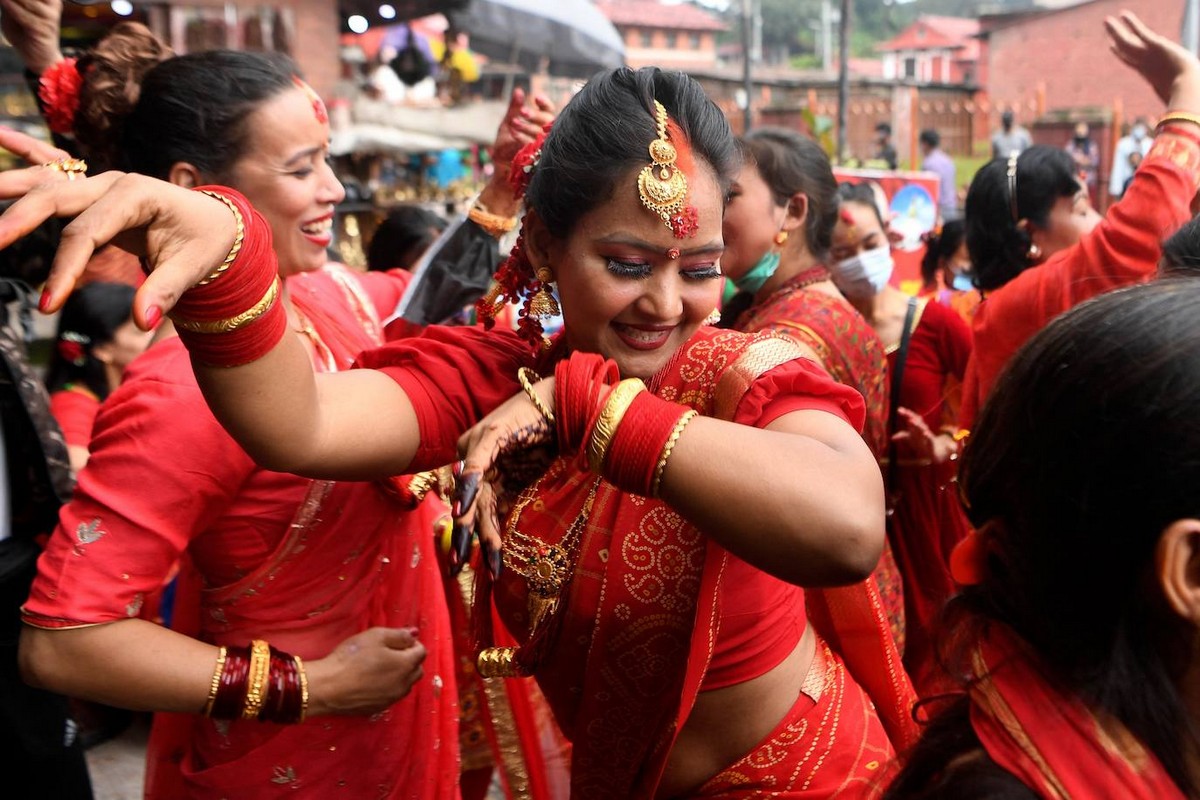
(662, 185)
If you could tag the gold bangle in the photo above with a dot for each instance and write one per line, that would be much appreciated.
(493, 224)
(72, 167)
(614, 410)
(670, 445)
(238, 238)
(1177, 116)
(260, 668)
(222, 653)
(528, 378)
(961, 434)
(233, 323)
(498, 662)
(303, 688)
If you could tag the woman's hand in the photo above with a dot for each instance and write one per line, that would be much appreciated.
(182, 234)
(366, 673)
(32, 27)
(34, 151)
(923, 442)
(522, 123)
(1172, 72)
(505, 451)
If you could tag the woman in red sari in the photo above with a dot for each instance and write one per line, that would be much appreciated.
(778, 226)
(1036, 244)
(1074, 641)
(664, 623)
(341, 574)
(927, 346)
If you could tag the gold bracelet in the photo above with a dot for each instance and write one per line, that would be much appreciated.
(493, 224)
(498, 662)
(528, 378)
(238, 238)
(222, 653)
(303, 688)
(233, 323)
(1177, 116)
(670, 445)
(260, 668)
(614, 410)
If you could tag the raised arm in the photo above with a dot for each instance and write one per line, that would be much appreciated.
(357, 424)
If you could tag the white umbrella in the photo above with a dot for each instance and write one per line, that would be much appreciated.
(573, 34)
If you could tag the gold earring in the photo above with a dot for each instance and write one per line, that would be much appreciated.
(543, 304)
(713, 318)
(781, 237)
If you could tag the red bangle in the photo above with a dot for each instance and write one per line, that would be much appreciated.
(231, 691)
(580, 383)
(1181, 131)
(237, 318)
(633, 457)
(285, 704)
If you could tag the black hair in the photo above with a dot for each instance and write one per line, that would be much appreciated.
(402, 237)
(863, 194)
(1084, 453)
(998, 247)
(601, 137)
(940, 246)
(930, 137)
(1181, 252)
(165, 110)
(790, 163)
(884, 127)
(90, 317)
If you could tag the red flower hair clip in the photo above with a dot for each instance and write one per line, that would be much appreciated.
(72, 348)
(58, 89)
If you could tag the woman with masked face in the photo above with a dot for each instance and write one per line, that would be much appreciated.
(927, 343)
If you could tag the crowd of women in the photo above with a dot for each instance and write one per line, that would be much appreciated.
(704, 556)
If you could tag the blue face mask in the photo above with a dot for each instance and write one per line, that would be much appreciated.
(962, 282)
(753, 280)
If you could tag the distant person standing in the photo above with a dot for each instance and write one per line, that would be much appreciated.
(884, 149)
(934, 159)
(1010, 138)
(1127, 155)
(1086, 154)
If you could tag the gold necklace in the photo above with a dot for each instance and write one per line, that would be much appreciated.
(545, 568)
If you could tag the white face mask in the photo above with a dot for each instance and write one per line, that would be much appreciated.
(866, 274)
(1139, 132)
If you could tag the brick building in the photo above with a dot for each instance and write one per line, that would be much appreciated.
(680, 36)
(1058, 60)
(934, 49)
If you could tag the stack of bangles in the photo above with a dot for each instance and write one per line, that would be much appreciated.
(626, 432)
(1191, 131)
(234, 316)
(494, 224)
(258, 682)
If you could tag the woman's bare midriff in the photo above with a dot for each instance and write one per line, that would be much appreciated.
(727, 723)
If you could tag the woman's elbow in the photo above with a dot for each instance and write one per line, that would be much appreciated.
(36, 659)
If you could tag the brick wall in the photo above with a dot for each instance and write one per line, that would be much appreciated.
(1068, 51)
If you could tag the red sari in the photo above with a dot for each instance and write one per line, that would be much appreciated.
(1122, 250)
(639, 626)
(927, 518)
(301, 563)
(854, 356)
(74, 409)
(1050, 739)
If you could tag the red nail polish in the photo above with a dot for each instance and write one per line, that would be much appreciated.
(153, 316)
(44, 301)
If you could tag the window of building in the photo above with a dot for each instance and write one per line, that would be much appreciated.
(910, 67)
(647, 39)
(672, 40)
(694, 41)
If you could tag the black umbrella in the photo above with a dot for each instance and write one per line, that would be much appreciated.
(574, 35)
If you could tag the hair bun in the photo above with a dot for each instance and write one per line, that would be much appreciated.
(112, 81)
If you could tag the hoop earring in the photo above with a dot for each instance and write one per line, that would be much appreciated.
(542, 304)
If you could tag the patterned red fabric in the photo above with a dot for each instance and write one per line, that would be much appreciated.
(1122, 250)
(639, 627)
(1049, 738)
(301, 563)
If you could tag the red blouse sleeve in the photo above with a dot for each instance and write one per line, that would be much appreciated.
(75, 413)
(453, 377)
(798, 385)
(161, 470)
